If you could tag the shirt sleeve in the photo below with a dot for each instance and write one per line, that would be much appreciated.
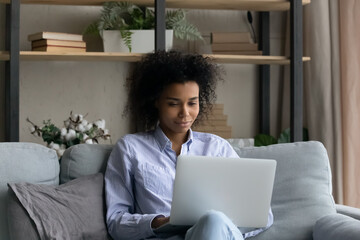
(121, 220)
(227, 150)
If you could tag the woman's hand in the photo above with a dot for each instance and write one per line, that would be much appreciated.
(158, 221)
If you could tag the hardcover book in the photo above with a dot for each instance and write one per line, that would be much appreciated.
(59, 49)
(58, 43)
(230, 37)
(55, 36)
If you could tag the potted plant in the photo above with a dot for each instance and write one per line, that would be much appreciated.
(124, 19)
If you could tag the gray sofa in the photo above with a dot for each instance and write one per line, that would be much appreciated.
(302, 203)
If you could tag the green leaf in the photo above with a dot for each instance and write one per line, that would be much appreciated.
(285, 135)
(264, 140)
(92, 29)
(126, 36)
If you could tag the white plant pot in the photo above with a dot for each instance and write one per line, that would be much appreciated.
(142, 41)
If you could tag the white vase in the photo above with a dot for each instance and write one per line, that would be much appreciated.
(142, 41)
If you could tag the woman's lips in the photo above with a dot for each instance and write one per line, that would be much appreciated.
(183, 124)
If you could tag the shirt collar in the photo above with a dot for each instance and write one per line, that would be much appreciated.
(164, 141)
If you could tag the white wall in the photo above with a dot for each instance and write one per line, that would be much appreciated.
(50, 90)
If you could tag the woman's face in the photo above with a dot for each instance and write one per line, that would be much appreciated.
(178, 107)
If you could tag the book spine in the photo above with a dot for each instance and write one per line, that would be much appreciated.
(234, 47)
(230, 37)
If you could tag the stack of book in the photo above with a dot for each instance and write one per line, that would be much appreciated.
(57, 42)
(235, 43)
(216, 123)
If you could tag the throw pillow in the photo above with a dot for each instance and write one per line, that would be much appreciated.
(74, 210)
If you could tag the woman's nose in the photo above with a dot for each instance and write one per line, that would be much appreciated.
(184, 112)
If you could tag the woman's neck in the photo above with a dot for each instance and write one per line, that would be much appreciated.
(177, 140)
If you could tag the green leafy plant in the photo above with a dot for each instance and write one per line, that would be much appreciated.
(125, 16)
(265, 140)
(76, 130)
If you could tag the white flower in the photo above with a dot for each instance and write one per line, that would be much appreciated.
(100, 123)
(80, 128)
(74, 117)
(67, 123)
(106, 131)
(54, 146)
(60, 152)
(84, 122)
(85, 137)
(71, 135)
(63, 132)
(88, 126)
(32, 129)
(89, 141)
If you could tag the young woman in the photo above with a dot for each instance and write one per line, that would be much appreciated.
(169, 92)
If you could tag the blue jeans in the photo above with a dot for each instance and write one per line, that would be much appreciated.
(214, 225)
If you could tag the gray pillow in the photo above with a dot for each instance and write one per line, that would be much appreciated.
(74, 210)
(84, 159)
(337, 227)
(302, 188)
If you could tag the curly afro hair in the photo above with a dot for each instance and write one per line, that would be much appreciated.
(160, 69)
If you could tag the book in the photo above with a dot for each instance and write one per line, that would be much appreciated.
(55, 36)
(238, 52)
(230, 37)
(59, 49)
(234, 46)
(63, 43)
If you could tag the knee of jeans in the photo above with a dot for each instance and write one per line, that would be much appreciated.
(214, 218)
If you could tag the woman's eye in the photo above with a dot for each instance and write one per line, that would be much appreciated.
(172, 104)
(192, 103)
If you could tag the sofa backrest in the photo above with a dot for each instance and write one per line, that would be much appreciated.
(24, 162)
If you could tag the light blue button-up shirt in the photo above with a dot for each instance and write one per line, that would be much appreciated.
(140, 175)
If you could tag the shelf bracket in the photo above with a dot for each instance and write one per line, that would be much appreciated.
(12, 31)
(264, 84)
(159, 25)
(296, 71)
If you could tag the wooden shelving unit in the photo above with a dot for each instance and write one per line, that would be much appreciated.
(135, 57)
(12, 56)
(252, 5)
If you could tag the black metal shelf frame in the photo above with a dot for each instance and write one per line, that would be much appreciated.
(296, 67)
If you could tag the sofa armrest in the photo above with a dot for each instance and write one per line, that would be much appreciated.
(336, 227)
(348, 211)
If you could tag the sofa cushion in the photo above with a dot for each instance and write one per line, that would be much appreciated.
(28, 162)
(302, 191)
(21, 226)
(337, 227)
(83, 159)
(74, 210)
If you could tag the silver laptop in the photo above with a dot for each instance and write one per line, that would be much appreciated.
(240, 188)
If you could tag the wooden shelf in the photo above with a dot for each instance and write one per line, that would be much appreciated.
(135, 57)
(251, 59)
(252, 5)
(4, 56)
